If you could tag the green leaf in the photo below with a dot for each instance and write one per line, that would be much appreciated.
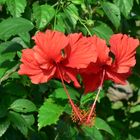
(4, 126)
(29, 119)
(86, 98)
(71, 13)
(102, 30)
(125, 6)
(43, 14)
(49, 113)
(20, 41)
(90, 97)
(137, 1)
(16, 89)
(25, 37)
(60, 25)
(13, 26)
(2, 1)
(102, 125)
(112, 12)
(23, 106)
(92, 133)
(65, 131)
(9, 47)
(19, 122)
(117, 105)
(61, 94)
(2, 72)
(8, 51)
(77, 1)
(134, 109)
(3, 110)
(16, 7)
(8, 72)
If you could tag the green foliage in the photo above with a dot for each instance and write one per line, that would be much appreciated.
(134, 109)
(16, 7)
(102, 30)
(92, 133)
(112, 12)
(59, 93)
(71, 13)
(23, 106)
(42, 14)
(102, 125)
(8, 27)
(4, 126)
(42, 112)
(49, 113)
(19, 122)
(125, 6)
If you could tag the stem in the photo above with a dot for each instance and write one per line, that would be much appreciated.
(84, 26)
(56, 11)
(70, 100)
(8, 73)
(82, 23)
(96, 98)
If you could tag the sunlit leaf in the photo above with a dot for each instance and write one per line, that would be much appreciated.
(43, 14)
(16, 7)
(49, 113)
(59, 25)
(2, 1)
(125, 6)
(117, 105)
(71, 13)
(77, 1)
(4, 126)
(134, 109)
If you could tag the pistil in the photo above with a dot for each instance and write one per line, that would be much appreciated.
(88, 121)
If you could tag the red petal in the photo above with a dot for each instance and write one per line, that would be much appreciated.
(91, 81)
(101, 48)
(93, 68)
(124, 49)
(51, 43)
(26, 70)
(33, 69)
(28, 57)
(116, 77)
(82, 52)
(43, 77)
(68, 75)
(29, 60)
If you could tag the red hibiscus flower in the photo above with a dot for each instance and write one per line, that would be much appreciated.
(116, 69)
(107, 68)
(57, 56)
(53, 51)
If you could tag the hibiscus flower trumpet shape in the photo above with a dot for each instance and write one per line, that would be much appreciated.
(56, 55)
(116, 69)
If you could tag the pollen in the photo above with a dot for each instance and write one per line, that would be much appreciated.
(84, 116)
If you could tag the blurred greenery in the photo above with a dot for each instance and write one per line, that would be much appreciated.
(42, 112)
